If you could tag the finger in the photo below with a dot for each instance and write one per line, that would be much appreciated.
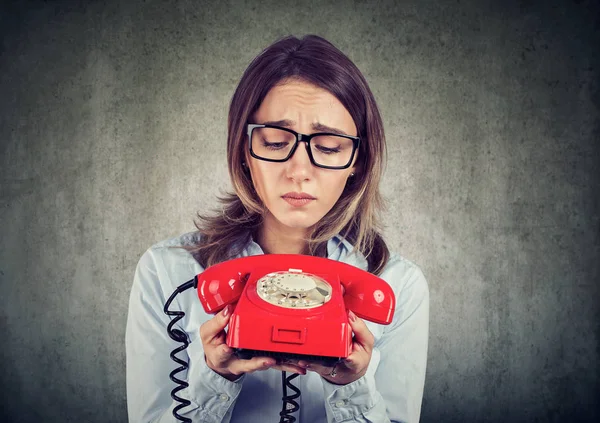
(239, 366)
(362, 335)
(314, 367)
(291, 368)
(220, 354)
(357, 361)
(214, 327)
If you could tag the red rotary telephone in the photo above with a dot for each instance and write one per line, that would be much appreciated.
(293, 306)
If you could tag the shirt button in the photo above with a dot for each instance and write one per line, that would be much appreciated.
(223, 397)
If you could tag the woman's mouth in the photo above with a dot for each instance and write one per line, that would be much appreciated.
(298, 199)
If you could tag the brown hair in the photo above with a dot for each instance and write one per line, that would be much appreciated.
(355, 216)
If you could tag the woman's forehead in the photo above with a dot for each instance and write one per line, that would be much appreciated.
(301, 103)
(301, 91)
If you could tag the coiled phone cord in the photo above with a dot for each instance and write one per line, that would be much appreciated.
(179, 336)
(289, 405)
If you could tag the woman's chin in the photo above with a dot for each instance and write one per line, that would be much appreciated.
(293, 220)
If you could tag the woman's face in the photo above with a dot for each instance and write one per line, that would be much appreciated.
(307, 109)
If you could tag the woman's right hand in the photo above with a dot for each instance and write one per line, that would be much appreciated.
(220, 357)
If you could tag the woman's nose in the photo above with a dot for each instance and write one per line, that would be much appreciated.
(299, 165)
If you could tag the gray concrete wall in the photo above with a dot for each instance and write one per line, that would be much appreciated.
(112, 130)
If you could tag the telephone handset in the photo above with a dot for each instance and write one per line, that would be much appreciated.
(293, 306)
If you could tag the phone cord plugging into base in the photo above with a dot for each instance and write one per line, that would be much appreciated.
(289, 405)
(179, 336)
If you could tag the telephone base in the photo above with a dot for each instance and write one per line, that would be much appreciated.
(318, 359)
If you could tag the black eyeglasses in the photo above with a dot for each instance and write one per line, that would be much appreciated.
(325, 150)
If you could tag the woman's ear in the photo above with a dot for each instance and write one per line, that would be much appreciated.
(355, 169)
(246, 168)
(247, 172)
(246, 160)
(351, 179)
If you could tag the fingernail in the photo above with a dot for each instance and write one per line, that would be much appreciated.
(351, 316)
(226, 311)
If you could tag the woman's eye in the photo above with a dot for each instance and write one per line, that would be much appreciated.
(274, 145)
(326, 150)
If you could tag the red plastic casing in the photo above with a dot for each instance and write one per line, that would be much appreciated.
(322, 331)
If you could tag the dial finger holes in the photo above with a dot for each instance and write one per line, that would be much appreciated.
(294, 289)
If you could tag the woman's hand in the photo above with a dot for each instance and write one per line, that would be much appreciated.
(220, 357)
(355, 366)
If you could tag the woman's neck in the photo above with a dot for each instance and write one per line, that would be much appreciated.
(275, 238)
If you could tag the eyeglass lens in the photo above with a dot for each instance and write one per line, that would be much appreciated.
(276, 144)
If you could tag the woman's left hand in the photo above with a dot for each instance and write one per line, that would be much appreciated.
(355, 366)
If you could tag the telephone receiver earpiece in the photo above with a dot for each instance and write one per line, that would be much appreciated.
(223, 283)
(367, 295)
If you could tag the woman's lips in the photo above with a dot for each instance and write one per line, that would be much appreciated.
(298, 199)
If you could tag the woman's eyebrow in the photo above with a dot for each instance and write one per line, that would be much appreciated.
(324, 128)
(286, 123)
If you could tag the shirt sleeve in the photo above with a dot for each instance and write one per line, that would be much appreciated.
(148, 361)
(392, 388)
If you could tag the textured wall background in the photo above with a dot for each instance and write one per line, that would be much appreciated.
(112, 130)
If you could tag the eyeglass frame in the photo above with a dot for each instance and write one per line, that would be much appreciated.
(302, 138)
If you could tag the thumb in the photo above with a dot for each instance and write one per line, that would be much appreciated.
(214, 327)
(362, 334)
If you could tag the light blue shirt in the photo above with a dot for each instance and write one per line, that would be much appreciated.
(391, 390)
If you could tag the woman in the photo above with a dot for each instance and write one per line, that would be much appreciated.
(297, 196)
